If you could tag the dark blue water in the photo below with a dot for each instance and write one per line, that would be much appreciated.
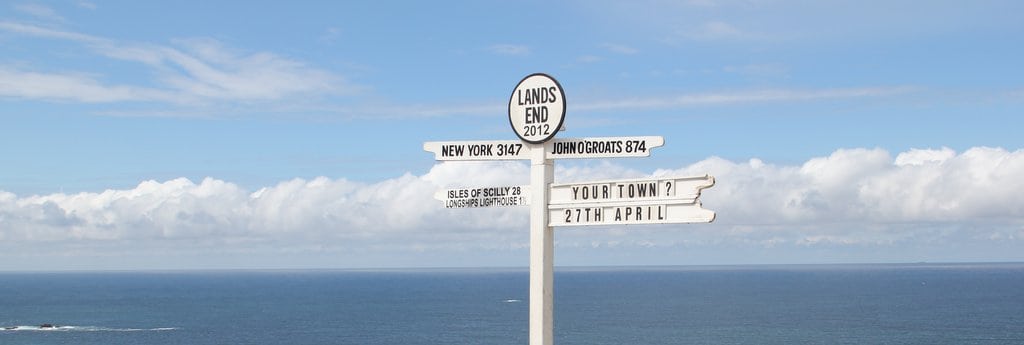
(875, 304)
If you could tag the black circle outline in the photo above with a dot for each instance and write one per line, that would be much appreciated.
(565, 104)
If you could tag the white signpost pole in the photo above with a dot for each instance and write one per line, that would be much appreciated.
(542, 249)
(536, 111)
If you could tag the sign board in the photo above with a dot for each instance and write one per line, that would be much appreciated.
(477, 150)
(607, 147)
(600, 147)
(665, 212)
(685, 189)
(536, 108)
(484, 197)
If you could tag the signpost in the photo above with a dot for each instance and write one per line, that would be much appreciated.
(644, 201)
(536, 112)
(536, 108)
(608, 147)
(477, 150)
(669, 188)
(629, 213)
(578, 148)
(484, 197)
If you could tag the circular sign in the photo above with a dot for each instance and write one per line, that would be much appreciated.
(537, 108)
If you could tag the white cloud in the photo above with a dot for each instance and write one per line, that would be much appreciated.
(851, 197)
(715, 30)
(206, 69)
(71, 87)
(330, 35)
(190, 71)
(86, 5)
(866, 188)
(297, 208)
(413, 111)
(625, 102)
(40, 11)
(922, 157)
(509, 49)
(769, 95)
(1016, 95)
(620, 49)
(759, 70)
(37, 31)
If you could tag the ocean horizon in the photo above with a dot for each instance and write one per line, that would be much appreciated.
(767, 266)
(911, 303)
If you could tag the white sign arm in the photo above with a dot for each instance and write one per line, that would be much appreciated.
(477, 150)
(650, 189)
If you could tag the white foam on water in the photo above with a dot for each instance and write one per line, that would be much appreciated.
(81, 329)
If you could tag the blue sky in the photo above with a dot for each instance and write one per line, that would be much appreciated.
(273, 134)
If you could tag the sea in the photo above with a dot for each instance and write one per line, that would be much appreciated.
(799, 304)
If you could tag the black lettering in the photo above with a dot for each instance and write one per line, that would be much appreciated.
(452, 150)
(537, 114)
(509, 150)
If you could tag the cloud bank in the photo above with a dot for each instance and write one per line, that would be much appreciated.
(851, 197)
